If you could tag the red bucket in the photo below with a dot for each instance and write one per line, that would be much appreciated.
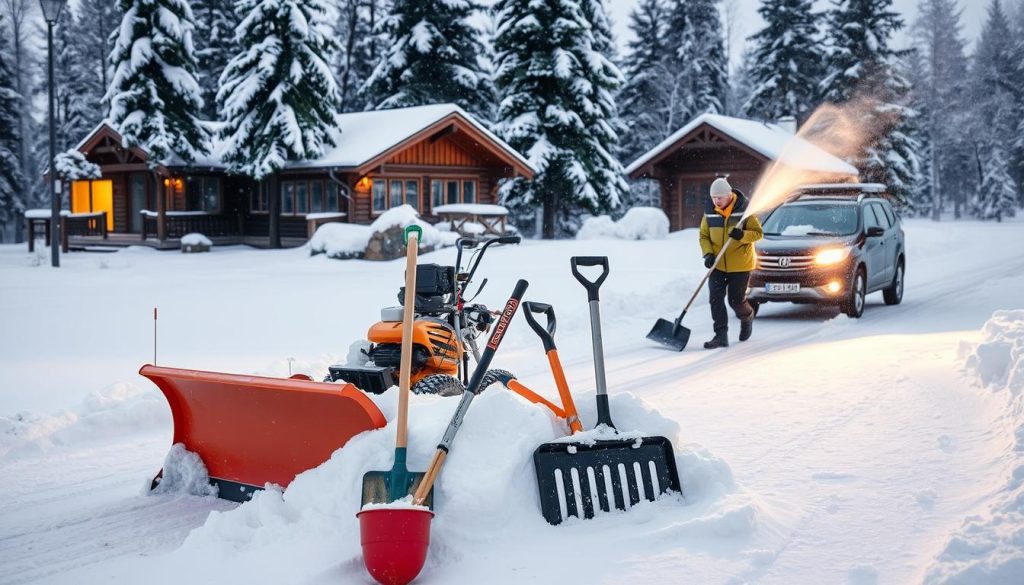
(395, 543)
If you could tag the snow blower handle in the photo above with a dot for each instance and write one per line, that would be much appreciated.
(591, 286)
(546, 334)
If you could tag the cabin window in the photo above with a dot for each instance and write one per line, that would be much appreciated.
(388, 193)
(307, 196)
(202, 194)
(259, 202)
(446, 191)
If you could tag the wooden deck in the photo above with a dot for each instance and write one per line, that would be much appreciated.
(114, 241)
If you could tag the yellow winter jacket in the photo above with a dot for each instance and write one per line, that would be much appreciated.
(714, 231)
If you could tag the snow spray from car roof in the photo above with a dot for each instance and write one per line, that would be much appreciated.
(841, 130)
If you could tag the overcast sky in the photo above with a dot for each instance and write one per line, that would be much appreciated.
(750, 21)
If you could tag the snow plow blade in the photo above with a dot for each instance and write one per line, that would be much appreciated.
(253, 430)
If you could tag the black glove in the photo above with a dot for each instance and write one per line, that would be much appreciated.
(709, 260)
(736, 234)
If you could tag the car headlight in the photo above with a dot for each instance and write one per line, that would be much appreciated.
(831, 256)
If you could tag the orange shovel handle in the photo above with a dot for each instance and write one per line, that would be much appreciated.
(571, 416)
(517, 387)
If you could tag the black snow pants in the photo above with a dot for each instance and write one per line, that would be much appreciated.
(735, 283)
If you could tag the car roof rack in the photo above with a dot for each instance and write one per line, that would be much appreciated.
(838, 191)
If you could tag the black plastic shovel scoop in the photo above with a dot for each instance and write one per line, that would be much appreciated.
(580, 478)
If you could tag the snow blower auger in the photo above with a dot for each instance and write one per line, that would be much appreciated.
(444, 327)
(254, 430)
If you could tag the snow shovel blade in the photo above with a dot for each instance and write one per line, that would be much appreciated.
(253, 430)
(578, 479)
(668, 334)
(384, 487)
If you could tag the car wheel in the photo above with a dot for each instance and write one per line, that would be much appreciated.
(854, 303)
(894, 294)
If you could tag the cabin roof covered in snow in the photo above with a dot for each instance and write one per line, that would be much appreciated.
(362, 138)
(770, 140)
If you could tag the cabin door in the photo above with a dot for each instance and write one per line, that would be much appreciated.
(94, 197)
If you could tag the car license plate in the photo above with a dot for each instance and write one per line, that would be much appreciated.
(782, 287)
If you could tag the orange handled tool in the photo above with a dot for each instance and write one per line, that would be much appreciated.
(547, 336)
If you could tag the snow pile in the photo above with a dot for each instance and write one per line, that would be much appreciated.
(114, 411)
(195, 239)
(183, 473)
(485, 498)
(989, 547)
(340, 240)
(348, 240)
(639, 223)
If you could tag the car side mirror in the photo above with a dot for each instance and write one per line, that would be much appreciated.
(874, 232)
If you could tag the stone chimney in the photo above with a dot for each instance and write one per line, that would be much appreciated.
(787, 123)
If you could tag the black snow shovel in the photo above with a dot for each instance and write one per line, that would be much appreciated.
(672, 334)
(577, 479)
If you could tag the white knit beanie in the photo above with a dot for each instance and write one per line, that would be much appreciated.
(720, 187)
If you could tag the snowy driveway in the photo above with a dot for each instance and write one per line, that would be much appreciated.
(856, 447)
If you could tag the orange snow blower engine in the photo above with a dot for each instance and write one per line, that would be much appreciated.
(445, 326)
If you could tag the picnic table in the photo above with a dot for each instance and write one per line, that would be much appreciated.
(492, 217)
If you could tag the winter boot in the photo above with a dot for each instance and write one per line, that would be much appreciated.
(721, 339)
(746, 327)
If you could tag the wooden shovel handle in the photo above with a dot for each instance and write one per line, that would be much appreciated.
(405, 365)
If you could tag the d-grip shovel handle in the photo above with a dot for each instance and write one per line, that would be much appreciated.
(546, 334)
(467, 397)
(591, 286)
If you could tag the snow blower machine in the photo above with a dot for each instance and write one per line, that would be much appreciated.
(254, 430)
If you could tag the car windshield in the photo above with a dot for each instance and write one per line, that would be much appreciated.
(812, 220)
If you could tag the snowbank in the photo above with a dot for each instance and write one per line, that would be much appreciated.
(195, 239)
(348, 240)
(114, 411)
(989, 547)
(183, 473)
(486, 502)
(639, 223)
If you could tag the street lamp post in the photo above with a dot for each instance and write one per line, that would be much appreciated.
(51, 12)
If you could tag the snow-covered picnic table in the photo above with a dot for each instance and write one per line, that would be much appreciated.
(491, 217)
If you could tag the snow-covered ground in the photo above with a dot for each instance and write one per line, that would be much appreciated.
(888, 449)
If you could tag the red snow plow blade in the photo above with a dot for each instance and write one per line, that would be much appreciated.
(252, 430)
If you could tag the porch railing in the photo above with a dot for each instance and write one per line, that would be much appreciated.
(180, 223)
(82, 224)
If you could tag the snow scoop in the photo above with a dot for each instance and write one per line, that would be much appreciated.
(474, 387)
(254, 430)
(546, 334)
(672, 334)
(383, 487)
(577, 478)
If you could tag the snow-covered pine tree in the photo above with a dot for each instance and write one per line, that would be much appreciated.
(939, 77)
(431, 56)
(214, 39)
(1017, 148)
(786, 61)
(697, 58)
(860, 63)
(555, 85)
(993, 101)
(12, 182)
(646, 95)
(76, 115)
(997, 197)
(359, 48)
(94, 25)
(278, 97)
(154, 98)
